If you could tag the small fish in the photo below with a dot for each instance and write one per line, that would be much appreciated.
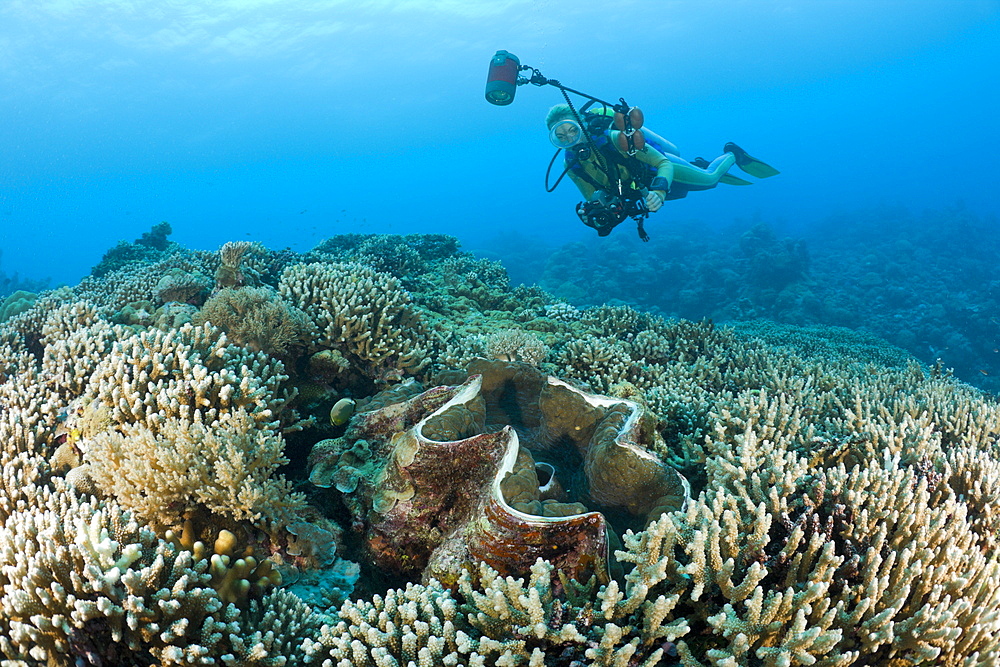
(983, 372)
(341, 412)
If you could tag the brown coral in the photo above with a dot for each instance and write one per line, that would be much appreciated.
(258, 319)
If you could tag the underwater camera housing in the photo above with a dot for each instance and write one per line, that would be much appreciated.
(608, 211)
(501, 81)
(603, 214)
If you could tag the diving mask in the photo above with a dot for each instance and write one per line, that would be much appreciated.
(566, 134)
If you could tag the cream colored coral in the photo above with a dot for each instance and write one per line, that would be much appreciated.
(227, 467)
(514, 345)
(601, 362)
(866, 563)
(76, 340)
(83, 579)
(190, 373)
(364, 314)
(74, 573)
(419, 625)
(137, 281)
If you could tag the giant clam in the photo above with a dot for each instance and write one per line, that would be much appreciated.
(449, 476)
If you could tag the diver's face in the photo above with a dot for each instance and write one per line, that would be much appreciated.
(565, 133)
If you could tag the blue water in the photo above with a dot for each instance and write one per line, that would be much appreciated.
(291, 122)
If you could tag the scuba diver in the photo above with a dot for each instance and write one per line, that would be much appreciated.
(622, 169)
(617, 182)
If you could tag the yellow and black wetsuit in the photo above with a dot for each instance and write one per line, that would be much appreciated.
(680, 175)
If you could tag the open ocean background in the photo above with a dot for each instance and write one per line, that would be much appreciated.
(290, 122)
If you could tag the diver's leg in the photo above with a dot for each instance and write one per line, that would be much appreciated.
(696, 178)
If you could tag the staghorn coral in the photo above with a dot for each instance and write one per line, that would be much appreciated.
(82, 583)
(515, 345)
(419, 625)
(858, 562)
(191, 373)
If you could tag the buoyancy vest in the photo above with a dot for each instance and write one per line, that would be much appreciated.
(598, 125)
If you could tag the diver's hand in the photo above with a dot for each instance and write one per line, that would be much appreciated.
(654, 201)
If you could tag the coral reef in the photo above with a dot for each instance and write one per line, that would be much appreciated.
(842, 511)
(924, 282)
(151, 246)
(85, 584)
(362, 314)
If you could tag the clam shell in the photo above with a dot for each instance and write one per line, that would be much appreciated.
(431, 500)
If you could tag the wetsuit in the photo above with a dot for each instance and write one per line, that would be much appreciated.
(680, 175)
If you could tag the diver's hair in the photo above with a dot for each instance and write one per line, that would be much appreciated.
(557, 113)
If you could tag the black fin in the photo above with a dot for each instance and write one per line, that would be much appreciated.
(750, 164)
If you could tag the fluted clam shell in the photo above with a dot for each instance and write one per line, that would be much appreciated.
(431, 496)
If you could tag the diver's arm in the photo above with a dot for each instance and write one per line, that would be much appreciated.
(657, 160)
(664, 176)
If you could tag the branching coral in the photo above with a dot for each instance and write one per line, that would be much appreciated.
(844, 510)
(365, 315)
(231, 271)
(227, 468)
(141, 281)
(191, 373)
(790, 563)
(85, 584)
(515, 345)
